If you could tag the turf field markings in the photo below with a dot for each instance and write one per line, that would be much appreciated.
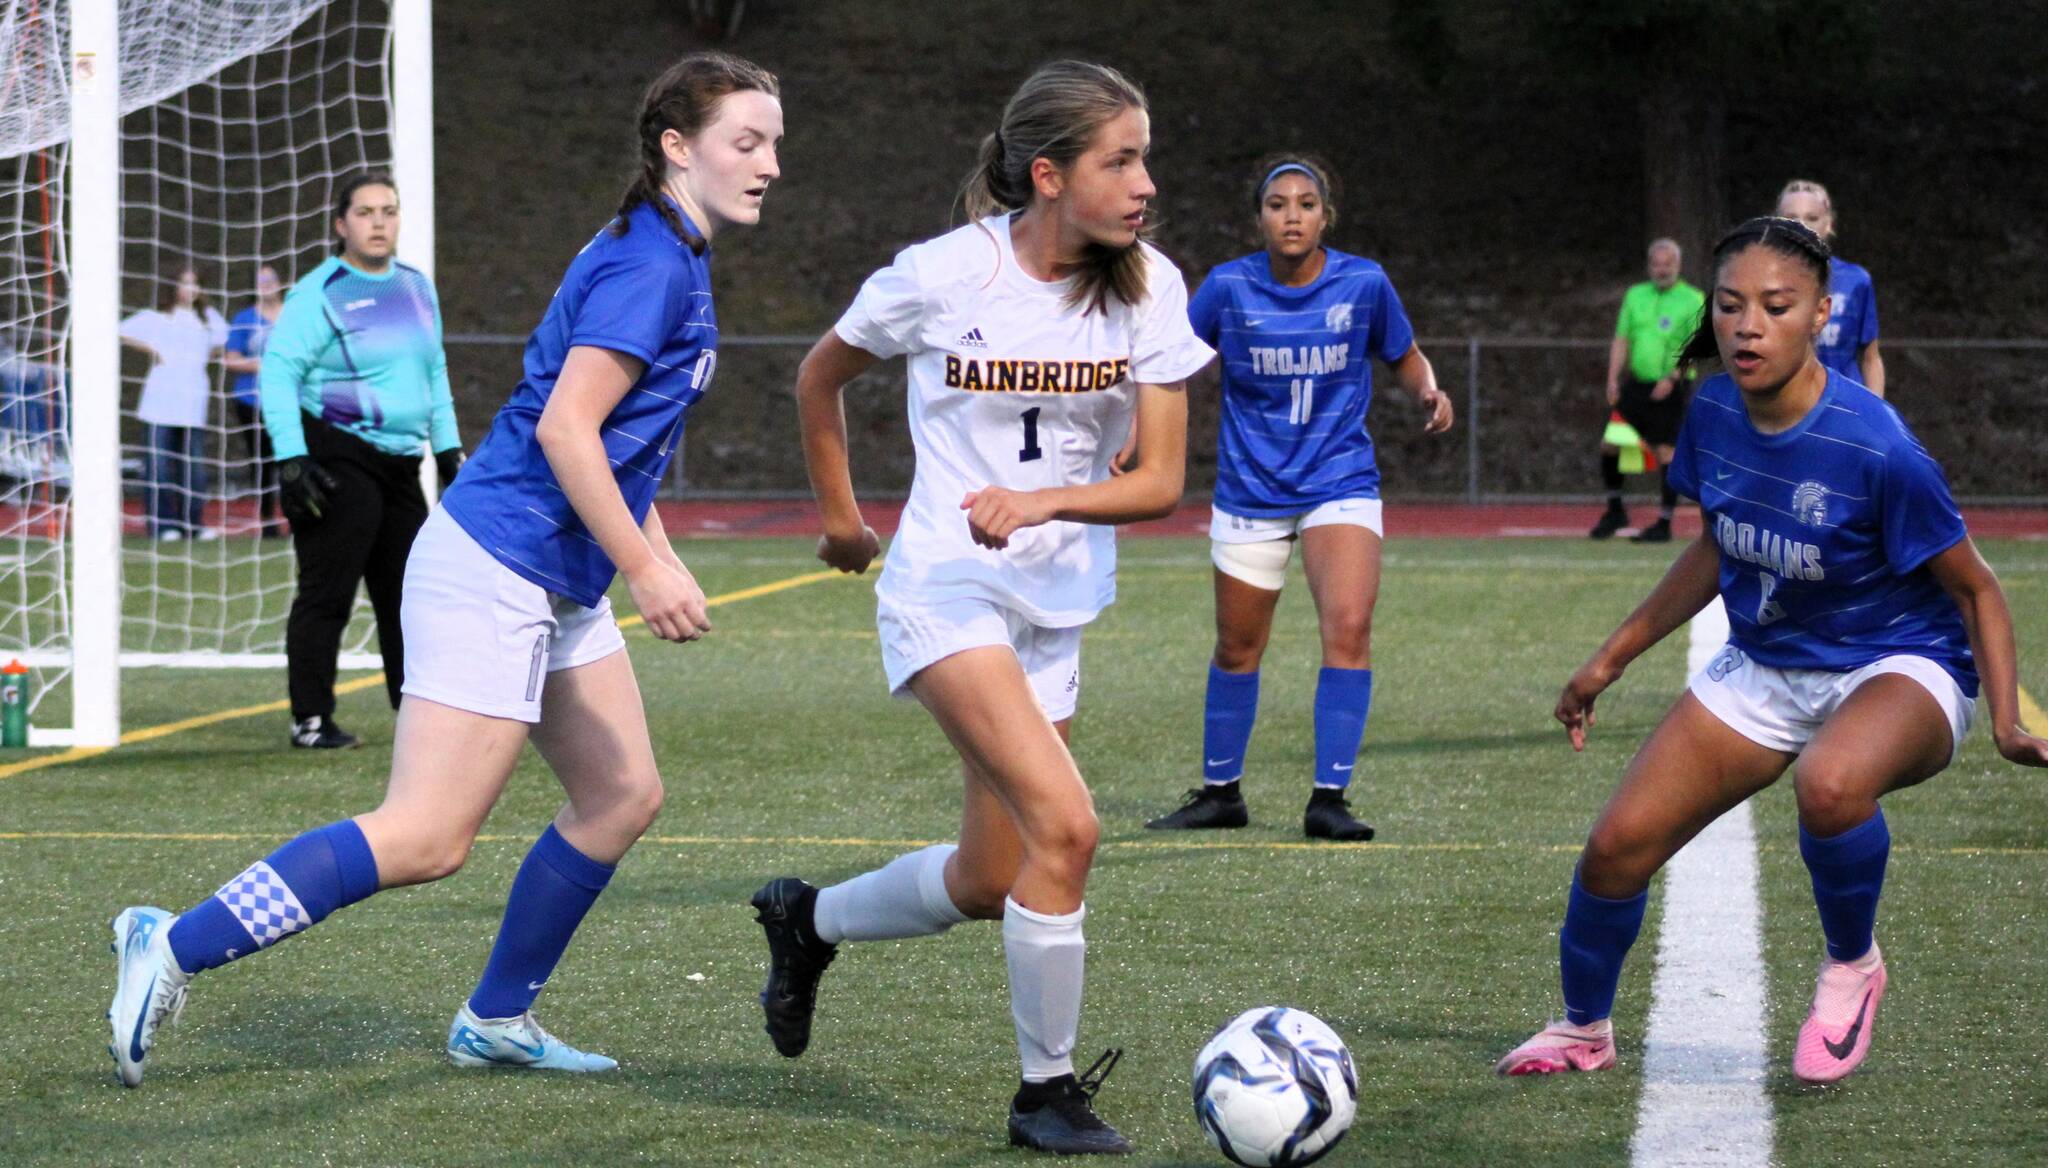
(1703, 1100)
(151, 733)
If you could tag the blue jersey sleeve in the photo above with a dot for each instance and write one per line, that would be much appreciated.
(1684, 473)
(634, 304)
(1921, 519)
(1392, 335)
(301, 334)
(239, 333)
(1205, 310)
(1868, 332)
(441, 431)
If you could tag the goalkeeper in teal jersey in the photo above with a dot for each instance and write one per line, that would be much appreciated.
(354, 386)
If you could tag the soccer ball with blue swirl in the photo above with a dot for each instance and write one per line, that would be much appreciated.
(1275, 1086)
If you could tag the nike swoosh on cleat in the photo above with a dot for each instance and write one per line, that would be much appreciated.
(135, 1051)
(535, 1051)
(1841, 1050)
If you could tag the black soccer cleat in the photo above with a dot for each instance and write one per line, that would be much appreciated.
(1612, 520)
(1209, 805)
(319, 733)
(1658, 532)
(1329, 817)
(1058, 1115)
(796, 960)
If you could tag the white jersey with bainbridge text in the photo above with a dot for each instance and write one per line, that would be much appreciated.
(1011, 387)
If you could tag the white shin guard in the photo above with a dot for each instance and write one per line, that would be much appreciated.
(904, 898)
(1046, 954)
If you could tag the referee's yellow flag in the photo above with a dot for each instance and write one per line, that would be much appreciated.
(1636, 457)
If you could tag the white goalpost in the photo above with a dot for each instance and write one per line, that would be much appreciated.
(139, 139)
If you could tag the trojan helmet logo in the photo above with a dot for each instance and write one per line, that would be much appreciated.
(1338, 319)
(1810, 503)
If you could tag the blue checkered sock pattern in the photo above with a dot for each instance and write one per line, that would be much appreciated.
(1848, 878)
(295, 886)
(1228, 711)
(556, 885)
(1343, 699)
(1595, 939)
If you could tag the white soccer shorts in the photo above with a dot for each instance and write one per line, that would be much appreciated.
(1783, 708)
(481, 638)
(915, 637)
(1256, 549)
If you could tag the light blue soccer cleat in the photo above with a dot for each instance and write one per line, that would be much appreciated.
(148, 987)
(516, 1042)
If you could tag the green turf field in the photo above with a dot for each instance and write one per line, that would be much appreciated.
(1431, 952)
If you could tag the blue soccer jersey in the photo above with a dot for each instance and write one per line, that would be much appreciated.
(1825, 531)
(1852, 319)
(645, 294)
(1297, 377)
(248, 333)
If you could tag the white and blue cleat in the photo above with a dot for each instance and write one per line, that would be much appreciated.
(148, 987)
(516, 1042)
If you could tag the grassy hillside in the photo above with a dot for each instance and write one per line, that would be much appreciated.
(1504, 199)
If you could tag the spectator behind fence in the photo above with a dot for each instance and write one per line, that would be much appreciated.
(180, 335)
(1648, 403)
(248, 333)
(1848, 342)
(353, 382)
(31, 413)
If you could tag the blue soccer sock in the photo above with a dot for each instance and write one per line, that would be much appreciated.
(556, 885)
(1228, 712)
(1343, 699)
(1848, 877)
(1595, 939)
(295, 886)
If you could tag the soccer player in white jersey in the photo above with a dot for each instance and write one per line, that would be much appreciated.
(1298, 325)
(1037, 336)
(509, 636)
(1863, 625)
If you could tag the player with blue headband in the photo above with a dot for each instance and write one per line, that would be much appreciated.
(1298, 325)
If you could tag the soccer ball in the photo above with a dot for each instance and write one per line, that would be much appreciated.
(1275, 1086)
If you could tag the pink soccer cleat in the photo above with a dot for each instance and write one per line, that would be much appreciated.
(1836, 1035)
(1562, 1047)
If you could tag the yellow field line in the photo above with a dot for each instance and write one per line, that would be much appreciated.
(151, 733)
(811, 841)
(2030, 713)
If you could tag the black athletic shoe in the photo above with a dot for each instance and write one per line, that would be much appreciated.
(1058, 1115)
(1612, 520)
(1209, 805)
(1329, 817)
(1658, 532)
(318, 733)
(796, 960)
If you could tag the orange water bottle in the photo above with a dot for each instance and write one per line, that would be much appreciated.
(14, 683)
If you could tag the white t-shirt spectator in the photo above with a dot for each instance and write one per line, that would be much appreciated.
(178, 386)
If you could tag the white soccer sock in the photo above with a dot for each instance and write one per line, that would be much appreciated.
(1046, 954)
(904, 898)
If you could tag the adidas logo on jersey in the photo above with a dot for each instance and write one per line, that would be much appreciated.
(972, 339)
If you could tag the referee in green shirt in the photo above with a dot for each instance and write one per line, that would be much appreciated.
(1657, 317)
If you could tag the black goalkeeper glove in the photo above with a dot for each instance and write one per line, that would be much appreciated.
(447, 463)
(306, 489)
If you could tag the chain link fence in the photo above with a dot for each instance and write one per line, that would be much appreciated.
(1530, 412)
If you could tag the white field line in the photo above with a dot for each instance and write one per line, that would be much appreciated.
(1703, 1103)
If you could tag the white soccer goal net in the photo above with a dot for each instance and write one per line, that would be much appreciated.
(235, 121)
